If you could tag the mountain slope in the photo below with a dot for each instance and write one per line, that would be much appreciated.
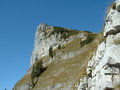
(66, 64)
(65, 59)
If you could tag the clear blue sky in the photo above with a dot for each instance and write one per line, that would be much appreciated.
(18, 22)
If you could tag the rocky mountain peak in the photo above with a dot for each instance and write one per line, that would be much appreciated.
(48, 36)
(44, 27)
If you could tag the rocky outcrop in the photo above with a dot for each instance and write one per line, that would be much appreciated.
(103, 71)
(112, 21)
(75, 57)
(65, 46)
(46, 37)
(42, 43)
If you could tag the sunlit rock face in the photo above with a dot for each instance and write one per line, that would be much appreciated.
(103, 68)
(47, 37)
(42, 42)
(58, 68)
(103, 71)
(112, 21)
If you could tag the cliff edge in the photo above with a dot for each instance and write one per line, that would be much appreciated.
(103, 71)
(59, 58)
(66, 59)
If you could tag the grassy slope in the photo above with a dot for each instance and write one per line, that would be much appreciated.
(23, 80)
(67, 72)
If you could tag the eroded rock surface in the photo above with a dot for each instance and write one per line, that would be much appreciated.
(47, 37)
(70, 63)
(104, 68)
(112, 21)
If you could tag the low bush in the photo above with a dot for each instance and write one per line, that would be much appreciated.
(113, 6)
(51, 52)
(59, 46)
(37, 69)
(90, 38)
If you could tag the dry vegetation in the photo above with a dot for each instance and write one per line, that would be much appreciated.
(117, 41)
(66, 72)
(117, 87)
(23, 80)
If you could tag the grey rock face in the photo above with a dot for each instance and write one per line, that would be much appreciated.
(112, 23)
(41, 44)
(104, 67)
(84, 84)
(45, 38)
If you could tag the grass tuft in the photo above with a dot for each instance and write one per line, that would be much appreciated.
(90, 38)
(116, 41)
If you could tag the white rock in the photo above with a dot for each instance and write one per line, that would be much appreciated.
(44, 39)
(104, 67)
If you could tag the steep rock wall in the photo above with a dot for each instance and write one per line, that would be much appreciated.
(103, 71)
(46, 37)
(65, 57)
(112, 21)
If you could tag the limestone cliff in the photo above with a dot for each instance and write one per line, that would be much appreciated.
(49, 36)
(65, 59)
(103, 71)
(59, 58)
(55, 57)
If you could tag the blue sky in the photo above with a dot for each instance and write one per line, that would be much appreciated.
(18, 22)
